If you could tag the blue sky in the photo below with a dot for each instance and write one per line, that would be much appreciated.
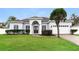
(22, 13)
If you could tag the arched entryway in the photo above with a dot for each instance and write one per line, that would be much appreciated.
(35, 25)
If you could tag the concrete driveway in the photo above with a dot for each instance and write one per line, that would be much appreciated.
(72, 38)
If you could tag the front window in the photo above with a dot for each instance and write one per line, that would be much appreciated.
(43, 27)
(27, 27)
(15, 27)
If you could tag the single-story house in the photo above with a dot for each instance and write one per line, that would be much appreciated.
(35, 25)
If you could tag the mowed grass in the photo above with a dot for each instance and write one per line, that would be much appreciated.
(35, 43)
(77, 34)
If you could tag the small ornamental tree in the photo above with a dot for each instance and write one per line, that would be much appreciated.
(58, 15)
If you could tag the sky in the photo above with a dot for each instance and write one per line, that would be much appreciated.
(22, 13)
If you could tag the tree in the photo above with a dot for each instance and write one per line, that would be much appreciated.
(58, 15)
(75, 19)
(12, 18)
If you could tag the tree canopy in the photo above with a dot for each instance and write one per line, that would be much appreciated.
(12, 18)
(58, 15)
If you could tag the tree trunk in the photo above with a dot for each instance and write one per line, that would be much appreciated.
(57, 23)
(58, 31)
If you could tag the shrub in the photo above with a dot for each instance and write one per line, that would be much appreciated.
(27, 31)
(47, 32)
(73, 31)
(17, 31)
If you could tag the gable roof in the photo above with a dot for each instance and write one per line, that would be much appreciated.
(44, 19)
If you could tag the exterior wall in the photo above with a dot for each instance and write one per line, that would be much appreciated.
(20, 25)
(2, 31)
(62, 30)
(50, 26)
(25, 26)
(31, 26)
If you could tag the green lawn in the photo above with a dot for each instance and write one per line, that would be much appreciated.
(35, 43)
(77, 34)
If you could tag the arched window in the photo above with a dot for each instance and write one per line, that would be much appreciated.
(35, 22)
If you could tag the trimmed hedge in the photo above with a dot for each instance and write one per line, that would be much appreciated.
(47, 32)
(73, 31)
(27, 31)
(17, 31)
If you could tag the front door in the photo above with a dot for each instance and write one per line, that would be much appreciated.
(35, 29)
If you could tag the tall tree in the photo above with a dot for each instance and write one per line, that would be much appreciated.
(12, 18)
(58, 15)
